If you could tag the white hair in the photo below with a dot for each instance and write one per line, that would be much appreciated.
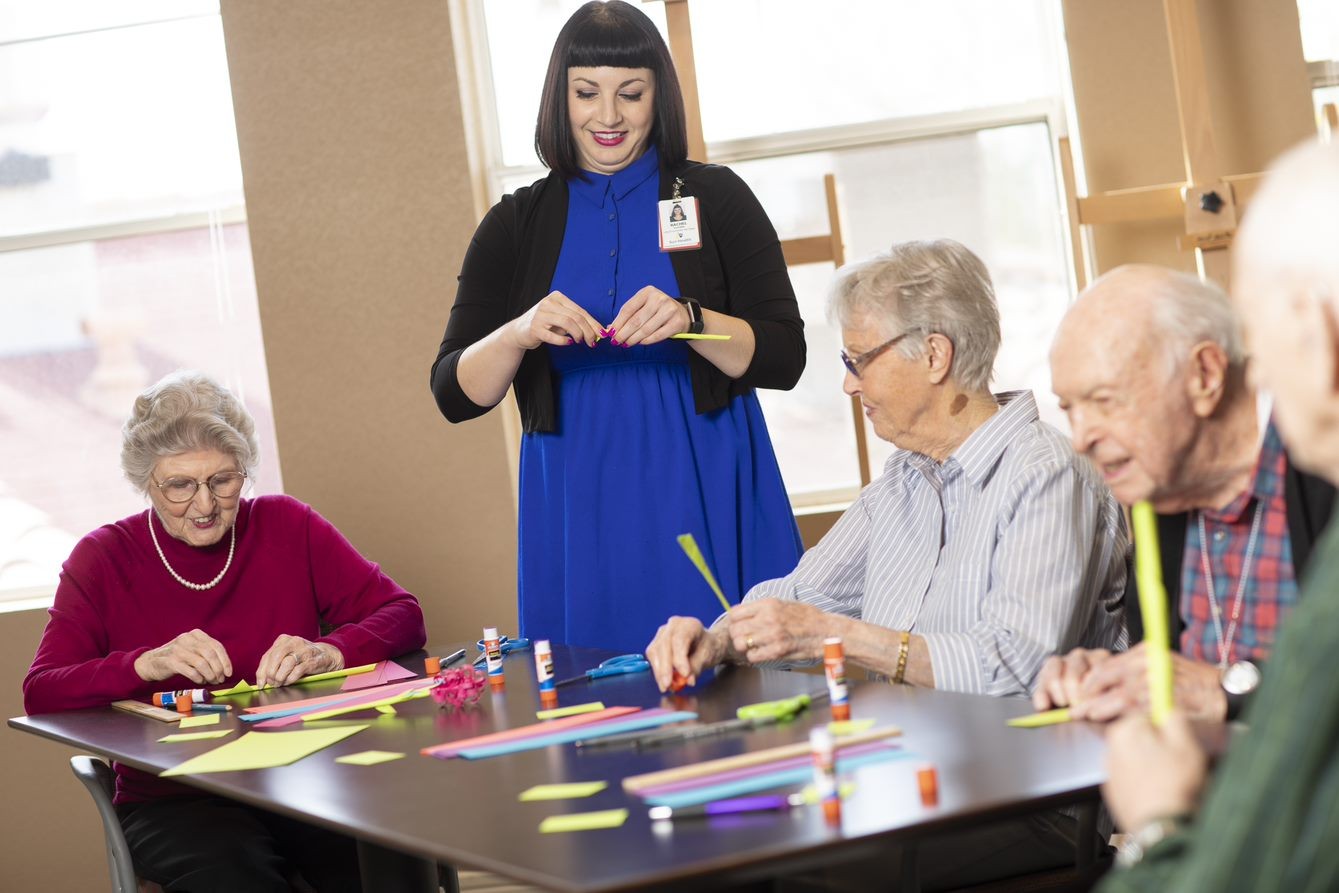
(927, 288)
(1185, 310)
(182, 413)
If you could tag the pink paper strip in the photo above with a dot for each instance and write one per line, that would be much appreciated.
(547, 727)
(749, 771)
(386, 671)
(371, 697)
(389, 690)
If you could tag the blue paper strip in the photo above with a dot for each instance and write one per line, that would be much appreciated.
(771, 780)
(575, 734)
(310, 708)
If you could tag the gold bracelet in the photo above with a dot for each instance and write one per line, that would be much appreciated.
(903, 647)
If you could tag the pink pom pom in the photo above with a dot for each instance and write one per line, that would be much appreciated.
(458, 687)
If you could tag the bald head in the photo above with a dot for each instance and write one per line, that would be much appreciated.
(1142, 363)
(1285, 287)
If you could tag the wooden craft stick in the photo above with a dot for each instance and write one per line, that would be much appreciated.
(636, 783)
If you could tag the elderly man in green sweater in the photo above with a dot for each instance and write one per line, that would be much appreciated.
(1269, 820)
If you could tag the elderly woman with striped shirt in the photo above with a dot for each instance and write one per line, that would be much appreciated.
(986, 545)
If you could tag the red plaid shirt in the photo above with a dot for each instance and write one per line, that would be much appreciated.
(1271, 586)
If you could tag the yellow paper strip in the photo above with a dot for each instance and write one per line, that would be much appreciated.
(850, 726)
(562, 791)
(583, 821)
(193, 736)
(560, 712)
(369, 757)
(262, 750)
(687, 336)
(245, 687)
(689, 546)
(204, 719)
(1153, 608)
(1037, 720)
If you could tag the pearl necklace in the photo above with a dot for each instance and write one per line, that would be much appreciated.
(198, 587)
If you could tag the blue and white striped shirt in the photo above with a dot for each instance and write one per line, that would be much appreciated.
(1011, 550)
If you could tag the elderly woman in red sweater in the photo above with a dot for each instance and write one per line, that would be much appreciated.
(206, 587)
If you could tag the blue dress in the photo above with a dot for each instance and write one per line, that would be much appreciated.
(631, 465)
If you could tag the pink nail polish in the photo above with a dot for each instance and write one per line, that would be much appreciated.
(571, 340)
(614, 341)
(611, 332)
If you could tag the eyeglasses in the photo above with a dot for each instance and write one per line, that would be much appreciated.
(856, 364)
(224, 485)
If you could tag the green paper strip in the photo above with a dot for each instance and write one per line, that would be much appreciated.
(560, 712)
(562, 791)
(689, 546)
(1037, 720)
(1153, 609)
(583, 821)
(193, 736)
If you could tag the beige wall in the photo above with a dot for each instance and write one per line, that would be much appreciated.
(1126, 105)
(358, 201)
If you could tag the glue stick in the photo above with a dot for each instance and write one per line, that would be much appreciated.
(169, 699)
(825, 774)
(493, 655)
(548, 693)
(432, 665)
(834, 668)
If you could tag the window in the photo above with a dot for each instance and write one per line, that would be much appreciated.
(937, 119)
(123, 256)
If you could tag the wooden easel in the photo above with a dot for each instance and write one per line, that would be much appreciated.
(1208, 201)
(825, 248)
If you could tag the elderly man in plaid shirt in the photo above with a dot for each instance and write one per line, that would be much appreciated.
(1149, 367)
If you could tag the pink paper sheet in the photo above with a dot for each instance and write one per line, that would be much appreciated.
(386, 671)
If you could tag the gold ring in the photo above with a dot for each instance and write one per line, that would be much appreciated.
(748, 643)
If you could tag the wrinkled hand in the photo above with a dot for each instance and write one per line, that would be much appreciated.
(195, 654)
(291, 658)
(769, 629)
(1120, 685)
(556, 319)
(1152, 773)
(650, 316)
(1062, 677)
(683, 647)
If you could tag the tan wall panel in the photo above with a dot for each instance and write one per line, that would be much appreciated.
(53, 838)
(358, 199)
(1126, 105)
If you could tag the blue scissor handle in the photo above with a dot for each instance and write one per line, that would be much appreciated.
(617, 666)
(508, 645)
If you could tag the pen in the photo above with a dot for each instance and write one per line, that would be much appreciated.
(728, 807)
(210, 708)
(453, 657)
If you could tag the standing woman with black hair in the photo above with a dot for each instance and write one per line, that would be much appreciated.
(572, 290)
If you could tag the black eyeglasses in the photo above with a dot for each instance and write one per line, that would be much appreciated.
(855, 365)
(224, 485)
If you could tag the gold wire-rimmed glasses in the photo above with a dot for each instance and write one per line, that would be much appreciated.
(224, 485)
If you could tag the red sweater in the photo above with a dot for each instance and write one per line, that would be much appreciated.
(292, 570)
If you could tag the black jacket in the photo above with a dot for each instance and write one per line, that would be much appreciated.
(739, 271)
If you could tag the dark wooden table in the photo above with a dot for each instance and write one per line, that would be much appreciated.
(466, 813)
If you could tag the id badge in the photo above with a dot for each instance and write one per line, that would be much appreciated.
(680, 226)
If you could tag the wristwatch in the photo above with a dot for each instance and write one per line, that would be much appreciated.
(695, 321)
(1143, 840)
(1238, 681)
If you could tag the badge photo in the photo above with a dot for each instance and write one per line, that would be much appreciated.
(679, 224)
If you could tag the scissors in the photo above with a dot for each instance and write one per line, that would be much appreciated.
(614, 666)
(506, 645)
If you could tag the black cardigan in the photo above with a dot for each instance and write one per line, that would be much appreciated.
(1309, 501)
(739, 270)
